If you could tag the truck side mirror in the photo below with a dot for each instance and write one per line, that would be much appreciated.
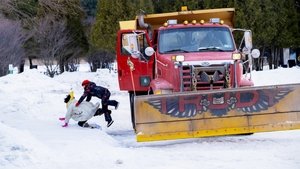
(255, 53)
(133, 46)
(130, 45)
(248, 40)
(149, 51)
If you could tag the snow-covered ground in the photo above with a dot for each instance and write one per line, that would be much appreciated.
(31, 136)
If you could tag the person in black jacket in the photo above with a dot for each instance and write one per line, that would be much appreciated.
(91, 89)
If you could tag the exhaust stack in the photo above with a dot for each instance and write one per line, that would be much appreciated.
(142, 23)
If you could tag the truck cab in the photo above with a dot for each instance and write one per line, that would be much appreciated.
(199, 56)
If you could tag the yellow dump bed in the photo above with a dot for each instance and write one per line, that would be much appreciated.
(157, 20)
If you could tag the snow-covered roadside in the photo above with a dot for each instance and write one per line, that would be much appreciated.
(31, 135)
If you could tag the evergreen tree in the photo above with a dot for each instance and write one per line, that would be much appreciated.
(109, 13)
(297, 7)
(161, 6)
(144, 5)
(89, 7)
(90, 10)
(287, 26)
(211, 4)
(273, 24)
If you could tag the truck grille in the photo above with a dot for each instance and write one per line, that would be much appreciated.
(204, 78)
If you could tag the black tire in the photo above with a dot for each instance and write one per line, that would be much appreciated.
(245, 134)
(131, 99)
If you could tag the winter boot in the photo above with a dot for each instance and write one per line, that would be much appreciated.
(83, 124)
(113, 103)
(109, 123)
(117, 105)
(108, 118)
(86, 125)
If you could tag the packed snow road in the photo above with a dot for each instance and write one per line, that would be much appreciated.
(31, 135)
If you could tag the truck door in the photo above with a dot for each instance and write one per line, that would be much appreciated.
(135, 69)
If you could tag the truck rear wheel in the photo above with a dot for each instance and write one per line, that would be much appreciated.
(131, 99)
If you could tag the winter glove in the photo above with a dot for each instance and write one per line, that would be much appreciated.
(61, 118)
(65, 125)
(77, 104)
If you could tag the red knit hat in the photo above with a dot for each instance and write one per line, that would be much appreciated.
(85, 82)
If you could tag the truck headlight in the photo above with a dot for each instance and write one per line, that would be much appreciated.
(178, 58)
(236, 56)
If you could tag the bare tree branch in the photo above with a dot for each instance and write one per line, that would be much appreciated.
(54, 43)
(9, 7)
(11, 44)
(59, 7)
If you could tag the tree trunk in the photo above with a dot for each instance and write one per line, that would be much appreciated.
(61, 66)
(66, 66)
(21, 67)
(276, 59)
(30, 62)
(271, 58)
(262, 57)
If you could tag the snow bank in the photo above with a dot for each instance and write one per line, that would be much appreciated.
(31, 135)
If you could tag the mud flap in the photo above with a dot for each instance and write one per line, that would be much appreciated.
(217, 113)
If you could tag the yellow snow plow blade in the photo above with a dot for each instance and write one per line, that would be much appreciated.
(217, 113)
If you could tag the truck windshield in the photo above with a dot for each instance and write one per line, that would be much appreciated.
(195, 40)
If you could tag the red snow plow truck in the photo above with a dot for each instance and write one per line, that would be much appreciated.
(187, 78)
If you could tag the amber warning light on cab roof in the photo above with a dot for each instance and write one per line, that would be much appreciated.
(211, 20)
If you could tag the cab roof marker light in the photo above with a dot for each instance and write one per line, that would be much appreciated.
(214, 20)
(184, 8)
(172, 22)
(185, 22)
(202, 21)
